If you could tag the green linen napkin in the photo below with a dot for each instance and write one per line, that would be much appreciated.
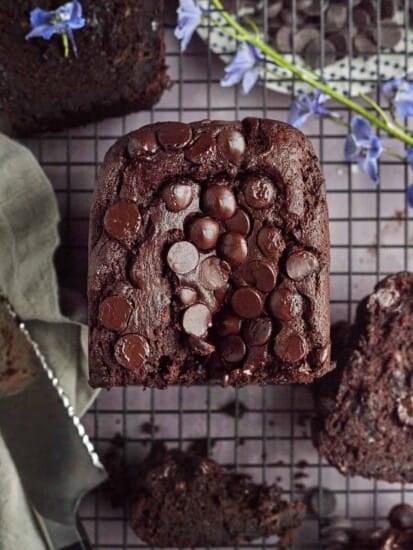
(28, 240)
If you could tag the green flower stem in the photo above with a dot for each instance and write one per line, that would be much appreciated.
(313, 79)
(65, 41)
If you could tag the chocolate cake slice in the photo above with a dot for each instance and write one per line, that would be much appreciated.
(185, 500)
(364, 422)
(209, 257)
(120, 66)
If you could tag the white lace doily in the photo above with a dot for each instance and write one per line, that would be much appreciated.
(347, 76)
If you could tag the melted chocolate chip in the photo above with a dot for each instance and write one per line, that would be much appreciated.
(214, 273)
(201, 149)
(247, 302)
(187, 295)
(231, 144)
(257, 332)
(204, 232)
(219, 202)
(174, 135)
(142, 142)
(301, 264)
(177, 196)
(240, 222)
(196, 320)
(233, 247)
(285, 304)
(233, 348)
(259, 191)
(182, 257)
(270, 242)
(405, 410)
(290, 346)
(114, 313)
(227, 323)
(122, 221)
(131, 351)
(261, 274)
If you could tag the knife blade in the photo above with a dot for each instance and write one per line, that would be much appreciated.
(54, 456)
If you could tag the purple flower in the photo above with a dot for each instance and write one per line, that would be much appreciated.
(244, 67)
(399, 93)
(304, 106)
(189, 17)
(363, 147)
(410, 195)
(62, 21)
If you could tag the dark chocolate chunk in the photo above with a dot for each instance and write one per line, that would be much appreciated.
(204, 232)
(114, 313)
(315, 52)
(304, 37)
(261, 274)
(390, 34)
(259, 191)
(285, 304)
(270, 242)
(174, 135)
(240, 222)
(247, 302)
(219, 202)
(401, 516)
(122, 221)
(290, 346)
(364, 45)
(201, 149)
(131, 351)
(214, 273)
(233, 247)
(257, 332)
(388, 9)
(143, 142)
(227, 323)
(177, 196)
(182, 257)
(283, 39)
(336, 17)
(233, 348)
(301, 264)
(196, 320)
(231, 144)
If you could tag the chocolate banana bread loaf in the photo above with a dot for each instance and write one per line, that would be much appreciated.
(120, 65)
(209, 257)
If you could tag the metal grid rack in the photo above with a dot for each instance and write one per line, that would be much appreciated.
(371, 234)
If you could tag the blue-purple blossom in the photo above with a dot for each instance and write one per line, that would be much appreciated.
(244, 67)
(189, 17)
(364, 147)
(61, 21)
(410, 195)
(305, 106)
(399, 93)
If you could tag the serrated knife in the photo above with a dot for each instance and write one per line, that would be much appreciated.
(55, 458)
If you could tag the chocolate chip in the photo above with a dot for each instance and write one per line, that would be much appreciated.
(364, 45)
(182, 257)
(259, 191)
(388, 9)
(321, 502)
(141, 142)
(219, 202)
(270, 242)
(247, 302)
(196, 320)
(114, 313)
(261, 274)
(240, 222)
(231, 144)
(227, 323)
(401, 516)
(233, 348)
(233, 247)
(283, 39)
(340, 41)
(361, 18)
(201, 149)
(405, 410)
(122, 221)
(390, 34)
(187, 295)
(177, 196)
(313, 51)
(336, 17)
(131, 351)
(204, 232)
(174, 135)
(304, 37)
(301, 264)
(214, 273)
(200, 347)
(285, 304)
(257, 332)
(290, 346)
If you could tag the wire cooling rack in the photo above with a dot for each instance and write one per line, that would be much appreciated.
(371, 235)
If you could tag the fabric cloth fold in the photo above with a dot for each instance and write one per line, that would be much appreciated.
(28, 239)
